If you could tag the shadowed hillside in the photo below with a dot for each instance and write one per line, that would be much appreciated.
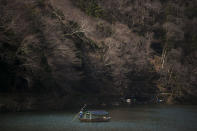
(56, 54)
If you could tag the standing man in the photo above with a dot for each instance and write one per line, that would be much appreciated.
(80, 114)
(81, 111)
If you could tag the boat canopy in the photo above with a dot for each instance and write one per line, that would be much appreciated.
(98, 112)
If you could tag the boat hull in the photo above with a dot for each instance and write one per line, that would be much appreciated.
(106, 119)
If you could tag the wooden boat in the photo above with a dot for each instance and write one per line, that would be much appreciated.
(95, 116)
(104, 119)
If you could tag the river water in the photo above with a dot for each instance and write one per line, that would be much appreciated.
(134, 118)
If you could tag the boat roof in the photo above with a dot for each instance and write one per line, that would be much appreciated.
(98, 112)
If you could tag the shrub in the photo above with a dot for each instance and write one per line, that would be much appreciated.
(60, 13)
(191, 12)
(40, 3)
(105, 30)
(90, 7)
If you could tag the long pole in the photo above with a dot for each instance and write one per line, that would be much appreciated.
(78, 113)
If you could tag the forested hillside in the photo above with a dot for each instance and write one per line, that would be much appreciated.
(55, 54)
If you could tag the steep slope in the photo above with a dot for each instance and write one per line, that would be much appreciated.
(37, 61)
(55, 53)
(117, 38)
(168, 25)
(144, 33)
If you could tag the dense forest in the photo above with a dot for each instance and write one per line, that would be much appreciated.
(56, 54)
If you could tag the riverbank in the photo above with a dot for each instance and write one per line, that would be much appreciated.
(22, 102)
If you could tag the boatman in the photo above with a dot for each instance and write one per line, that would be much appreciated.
(81, 114)
(81, 111)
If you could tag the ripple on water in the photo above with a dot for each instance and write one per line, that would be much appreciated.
(138, 118)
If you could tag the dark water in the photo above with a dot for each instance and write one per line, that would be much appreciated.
(136, 118)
